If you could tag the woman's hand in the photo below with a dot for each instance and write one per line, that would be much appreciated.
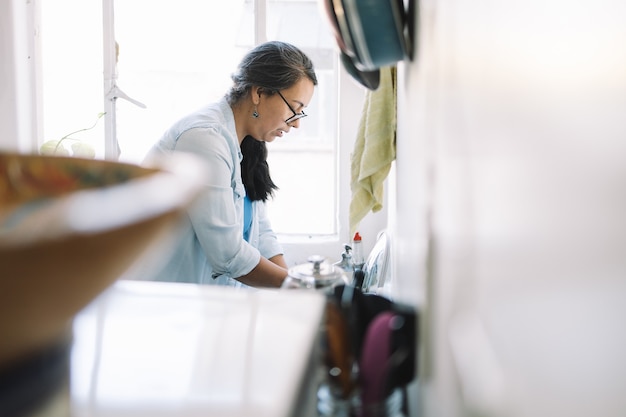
(279, 260)
(267, 274)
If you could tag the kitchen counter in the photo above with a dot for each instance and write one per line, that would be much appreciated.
(165, 349)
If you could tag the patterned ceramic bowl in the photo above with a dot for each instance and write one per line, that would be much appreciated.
(70, 227)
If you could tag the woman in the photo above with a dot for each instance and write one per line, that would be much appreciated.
(228, 239)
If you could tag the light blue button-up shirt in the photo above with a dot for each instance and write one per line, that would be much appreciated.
(212, 249)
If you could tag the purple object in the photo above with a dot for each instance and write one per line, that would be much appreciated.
(375, 363)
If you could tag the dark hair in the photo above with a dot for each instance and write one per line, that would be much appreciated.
(273, 66)
(255, 172)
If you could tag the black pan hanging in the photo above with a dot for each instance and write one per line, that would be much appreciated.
(370, 35)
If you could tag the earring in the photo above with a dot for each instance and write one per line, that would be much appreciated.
(255, 113)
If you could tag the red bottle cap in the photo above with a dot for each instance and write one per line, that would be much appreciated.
(357, 237)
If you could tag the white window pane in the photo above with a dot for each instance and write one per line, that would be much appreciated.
(304, 162)
(71, 71)
(175, 57)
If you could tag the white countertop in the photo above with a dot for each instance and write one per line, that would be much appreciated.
(163, 349)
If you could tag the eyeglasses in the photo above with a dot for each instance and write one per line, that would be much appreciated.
(296, 116)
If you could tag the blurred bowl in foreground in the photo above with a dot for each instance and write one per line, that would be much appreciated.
(70, 227)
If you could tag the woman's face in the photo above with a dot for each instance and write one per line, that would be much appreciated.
(278, 113)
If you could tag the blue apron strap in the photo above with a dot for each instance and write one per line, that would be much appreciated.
(247, 218)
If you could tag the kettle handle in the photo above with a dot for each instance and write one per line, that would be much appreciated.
(317, 261)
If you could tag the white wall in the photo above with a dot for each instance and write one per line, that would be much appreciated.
(18, 106)
(510, 196)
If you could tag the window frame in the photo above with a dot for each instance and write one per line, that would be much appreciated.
(350, 97)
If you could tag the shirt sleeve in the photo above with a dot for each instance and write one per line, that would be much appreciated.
(215, 217)
(268, 242)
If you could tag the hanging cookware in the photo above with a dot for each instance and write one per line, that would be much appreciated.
(370, 33)
(368, 79)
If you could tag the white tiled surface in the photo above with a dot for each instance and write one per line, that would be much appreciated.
(161, 349)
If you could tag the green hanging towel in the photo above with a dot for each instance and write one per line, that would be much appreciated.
(374, 148)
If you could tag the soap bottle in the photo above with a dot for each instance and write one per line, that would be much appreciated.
(358, 261)
(346, 262)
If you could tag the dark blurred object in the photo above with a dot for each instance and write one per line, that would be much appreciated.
(339, 358)
(378, 339)
(358, 278)
(30, 386)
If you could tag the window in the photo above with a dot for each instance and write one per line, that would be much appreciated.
(175, 56)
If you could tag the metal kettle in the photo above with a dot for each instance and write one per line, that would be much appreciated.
(316, 274)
